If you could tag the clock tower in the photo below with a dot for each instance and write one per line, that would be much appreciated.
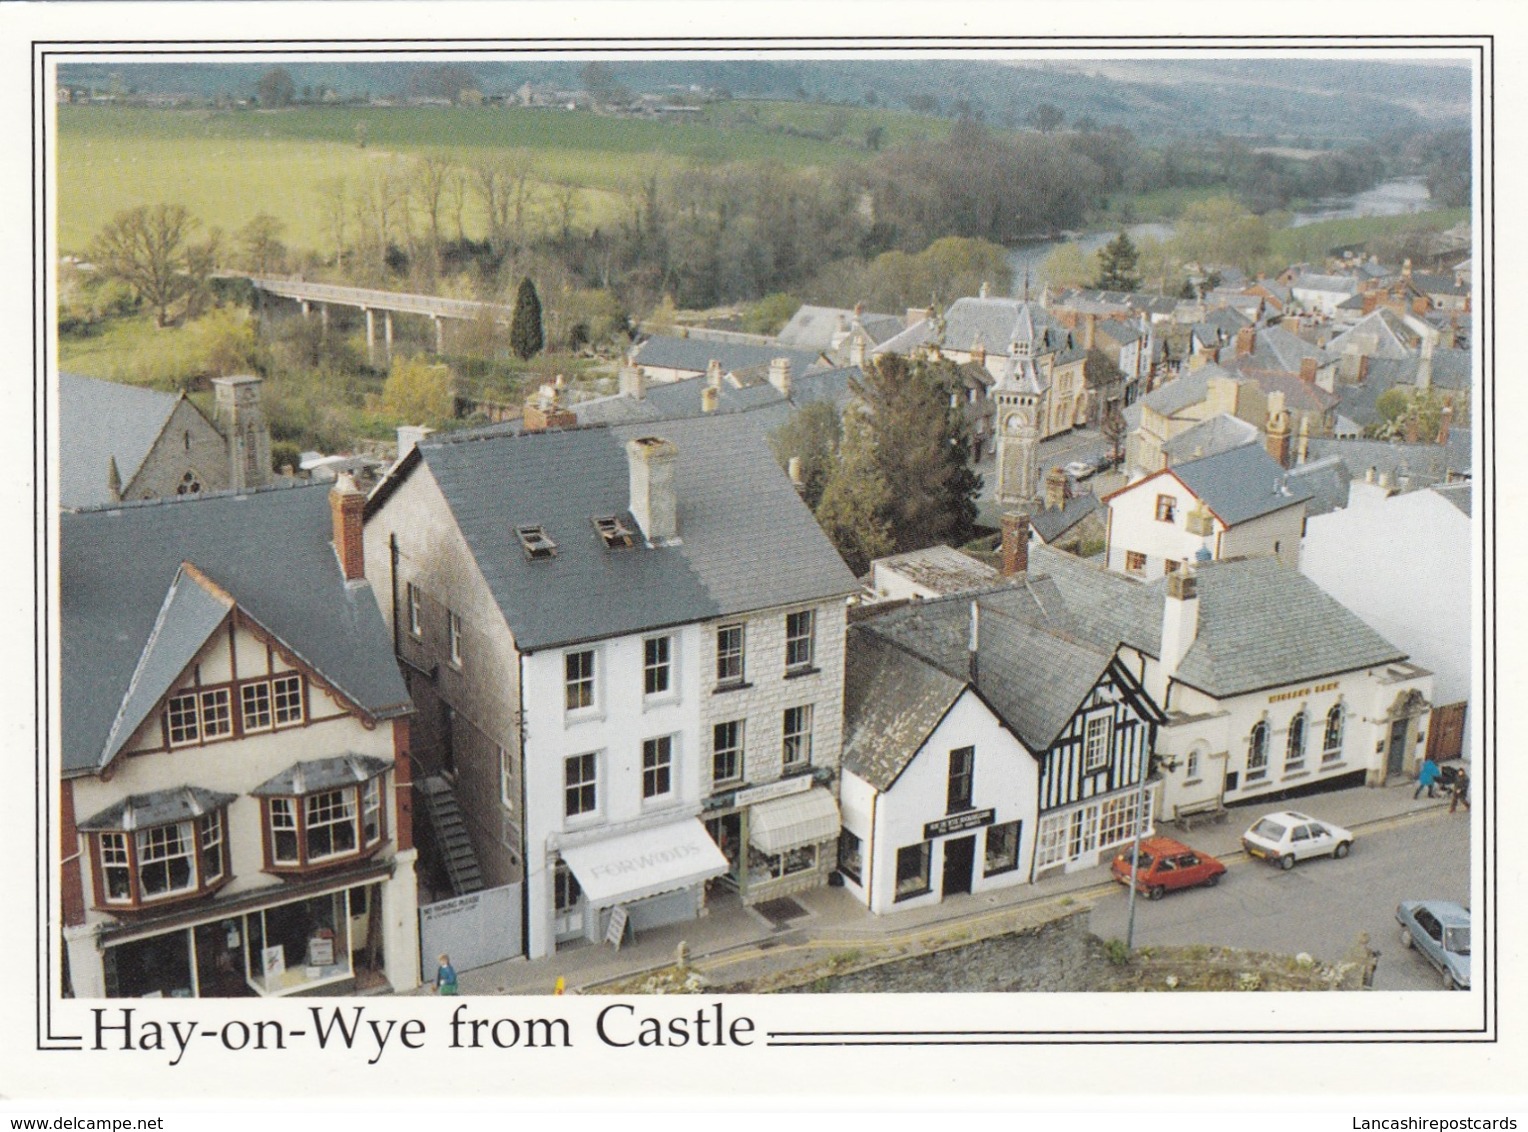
(1019, 396)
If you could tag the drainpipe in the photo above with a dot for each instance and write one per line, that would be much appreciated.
(525, 872)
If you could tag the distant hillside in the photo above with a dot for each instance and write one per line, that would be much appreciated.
(1321, 100)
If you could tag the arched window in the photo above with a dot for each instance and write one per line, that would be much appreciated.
(1331, 745)
(1294, 752)
(1257, 752)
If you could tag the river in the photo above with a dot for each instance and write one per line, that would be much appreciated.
(1388, 198)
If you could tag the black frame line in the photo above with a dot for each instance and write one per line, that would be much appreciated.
(1480, 46)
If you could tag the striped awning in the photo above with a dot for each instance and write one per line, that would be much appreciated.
(789, 823)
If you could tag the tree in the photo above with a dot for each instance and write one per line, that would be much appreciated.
(147, 248)
(260, 243)
(275, 88)
(1067, 266)
(855, 498)
(1046, 117)
(1114, 428)
(417, 392)
(1220, 231)
(1117, 262)
(770, 314)
(904, 472)
(813, 434)
(526, 336)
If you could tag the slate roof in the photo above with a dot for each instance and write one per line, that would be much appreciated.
(141, 811)
(746, 540)
(1277, 348)
(1456, 493)
(941, 568)
(1326, 480)
(1239, 484)
(997, 325)
(1422, 465)
(893, 700)
(670, 400)
(1430, 284)
(1217, 434)
(313, 775)
(1335, 284)
(270, 551)
(819, 328)
(1261, 624)
(1299, 395)
(1050, 523)
(1393, 338)
(1184, 390)
(665, 352)
(99, 421)
(1450, 370)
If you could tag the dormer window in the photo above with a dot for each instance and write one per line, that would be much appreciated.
(616, 534)
(534, 540)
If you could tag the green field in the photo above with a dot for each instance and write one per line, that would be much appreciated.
(1312, 241)
(226, 167)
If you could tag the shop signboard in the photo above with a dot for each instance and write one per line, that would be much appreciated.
(957, 823)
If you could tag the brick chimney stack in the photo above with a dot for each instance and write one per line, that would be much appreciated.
(654, 505)
(633, 382)
(1015, 548)
(1278, 429)
(346, 505)
(1180, 621)
(1246, 341)
(1446, 423)
(1055, 489)
(714, 373)
(708, 398)
(1308, 370)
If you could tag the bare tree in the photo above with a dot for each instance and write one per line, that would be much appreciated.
(146, 248)
(333, 202)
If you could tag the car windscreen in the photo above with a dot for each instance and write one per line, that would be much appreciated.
(1271, 830)
(1457, 940)
(1146, 858)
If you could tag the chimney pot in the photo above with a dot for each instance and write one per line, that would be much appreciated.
(1015, 549)
(793, 469)
(347, 504)
(708, 399)
(780, 375)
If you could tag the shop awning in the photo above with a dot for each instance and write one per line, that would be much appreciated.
(789, 823)
(632, 866)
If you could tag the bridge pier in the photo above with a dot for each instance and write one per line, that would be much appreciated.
(306, 309)
(371, 336)
(387, 334)
(440, 334)
(323, 317)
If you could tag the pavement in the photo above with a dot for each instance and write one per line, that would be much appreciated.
(730, 944)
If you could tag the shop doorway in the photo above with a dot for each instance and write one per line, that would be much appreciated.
(727, 832)
(959, 857)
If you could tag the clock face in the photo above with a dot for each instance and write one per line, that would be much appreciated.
(1015, 422)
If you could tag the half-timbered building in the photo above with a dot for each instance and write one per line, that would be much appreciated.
(234, 799)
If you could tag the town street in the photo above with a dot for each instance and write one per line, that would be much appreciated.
(1318, 907)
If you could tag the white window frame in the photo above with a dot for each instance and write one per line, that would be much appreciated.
(1017, 827)
(800, 643)
(213, 845)
(798, 741)
(591, 783)
(1257, 771)
(256, 709)
(115, 858)
(319, 814)
(1051, 840)
(658, 675)
(1097, 741)
(286, 699)
(1336, 720)
(663, 769)
(183, 715)
(454, 637)
(416, 618)
(371, 811)
(216, 707)
(506, 780)
(737, 750)
(582, 680)
(1294, 753)
(282, 819)
(154, 848)
(728, 657)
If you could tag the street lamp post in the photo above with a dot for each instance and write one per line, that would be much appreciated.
(1135, 853)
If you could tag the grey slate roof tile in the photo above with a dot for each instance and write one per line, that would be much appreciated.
(746, 540)
(271, 550)
(141, 811)
(1239, 484)
(696, 354)
(892, 702)
(100, 421)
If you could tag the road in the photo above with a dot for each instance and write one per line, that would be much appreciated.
(1318, 907)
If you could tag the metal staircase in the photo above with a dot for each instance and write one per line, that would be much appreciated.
(450, 834)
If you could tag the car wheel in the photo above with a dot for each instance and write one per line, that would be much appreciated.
(1155, 892)
(1287, 861)
(1342, 849)
(1448, 981)
(1406, 940)
(1212, 881)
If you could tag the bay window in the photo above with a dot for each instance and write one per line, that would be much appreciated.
(323, 813)
(159, 848)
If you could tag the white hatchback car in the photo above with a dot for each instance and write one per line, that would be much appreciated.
(1286, 837)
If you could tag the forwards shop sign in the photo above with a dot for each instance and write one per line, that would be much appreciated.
(623, 869)
(957, 823)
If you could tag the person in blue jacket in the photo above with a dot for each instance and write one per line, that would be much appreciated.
(1427, 780)
(445, 976)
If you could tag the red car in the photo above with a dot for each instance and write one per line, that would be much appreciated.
(1167, 864)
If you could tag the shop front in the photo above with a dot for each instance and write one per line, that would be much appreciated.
(324, 943)
(777, 838)
(645, 879)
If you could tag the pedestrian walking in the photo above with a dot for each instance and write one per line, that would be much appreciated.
(1427, 779)
(445, 976)
(1460, 792)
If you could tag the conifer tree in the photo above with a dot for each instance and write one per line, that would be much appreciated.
(526, 337)
(1117, 265)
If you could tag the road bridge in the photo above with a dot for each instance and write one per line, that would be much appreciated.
(369, 302)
